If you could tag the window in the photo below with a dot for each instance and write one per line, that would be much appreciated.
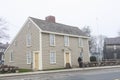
(52, 40)
(28, 39)
(52, 57)
(114, 47)
(80, 42)
(11, 56)
(28, 55)
(66, 40)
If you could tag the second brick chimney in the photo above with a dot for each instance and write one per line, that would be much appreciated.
(50, 19)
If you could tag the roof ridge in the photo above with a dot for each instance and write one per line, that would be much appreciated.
(58, 27)
(55, 22)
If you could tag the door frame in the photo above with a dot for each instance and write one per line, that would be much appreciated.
(69, 58)
(40, 60)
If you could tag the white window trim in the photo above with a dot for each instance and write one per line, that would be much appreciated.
(11, 57)
(50, 39)
(115, 47)
(80, 40)
(29, 57)
(50, 57)
(66, 44)
(27, 43)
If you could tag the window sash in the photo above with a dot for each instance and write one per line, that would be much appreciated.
(52, 57)
(11, 56)
(52, 40)
(28, 55)
(66, 40)
(114, 47)
(28, 39)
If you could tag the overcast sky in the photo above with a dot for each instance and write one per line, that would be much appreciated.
(103, 16)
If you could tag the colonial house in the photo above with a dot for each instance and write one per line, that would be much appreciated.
(112, 48)
(45, 44)
(3, 47)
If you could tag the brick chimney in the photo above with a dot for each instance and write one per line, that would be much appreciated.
(50, 19)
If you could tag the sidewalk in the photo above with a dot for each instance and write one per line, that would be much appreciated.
(55, 71)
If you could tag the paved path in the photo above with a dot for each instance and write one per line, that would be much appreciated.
(64, 70)
(91, 74)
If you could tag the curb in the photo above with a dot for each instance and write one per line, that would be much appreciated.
(56, 71)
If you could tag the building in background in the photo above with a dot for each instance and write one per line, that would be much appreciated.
(112, 48)
(3, 47)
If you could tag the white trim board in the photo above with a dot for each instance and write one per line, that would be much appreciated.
(64, 34)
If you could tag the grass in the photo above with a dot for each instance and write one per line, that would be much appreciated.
(24, 70)
(29, 70)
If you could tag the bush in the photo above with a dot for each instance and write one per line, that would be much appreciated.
(93, 59)
(8, 69)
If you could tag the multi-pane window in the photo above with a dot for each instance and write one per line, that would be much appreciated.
(52, 57)
(11, 56)
(28, 56)
(80, 42)
(28, 39)
(52, 40)
(66, 40)
(114, 47)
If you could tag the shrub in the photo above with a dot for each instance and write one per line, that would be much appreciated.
(7, 69)
(93, 59)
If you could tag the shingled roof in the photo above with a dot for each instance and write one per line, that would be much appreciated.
(57, 27)
(112, 41)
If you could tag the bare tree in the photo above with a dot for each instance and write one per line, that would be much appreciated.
(100, 45)
(3, 29)
(87, 30)
(92, 40)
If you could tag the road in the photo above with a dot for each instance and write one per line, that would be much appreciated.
(102, 74)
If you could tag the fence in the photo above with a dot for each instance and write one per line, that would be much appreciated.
(102, 63)
(8, 69)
